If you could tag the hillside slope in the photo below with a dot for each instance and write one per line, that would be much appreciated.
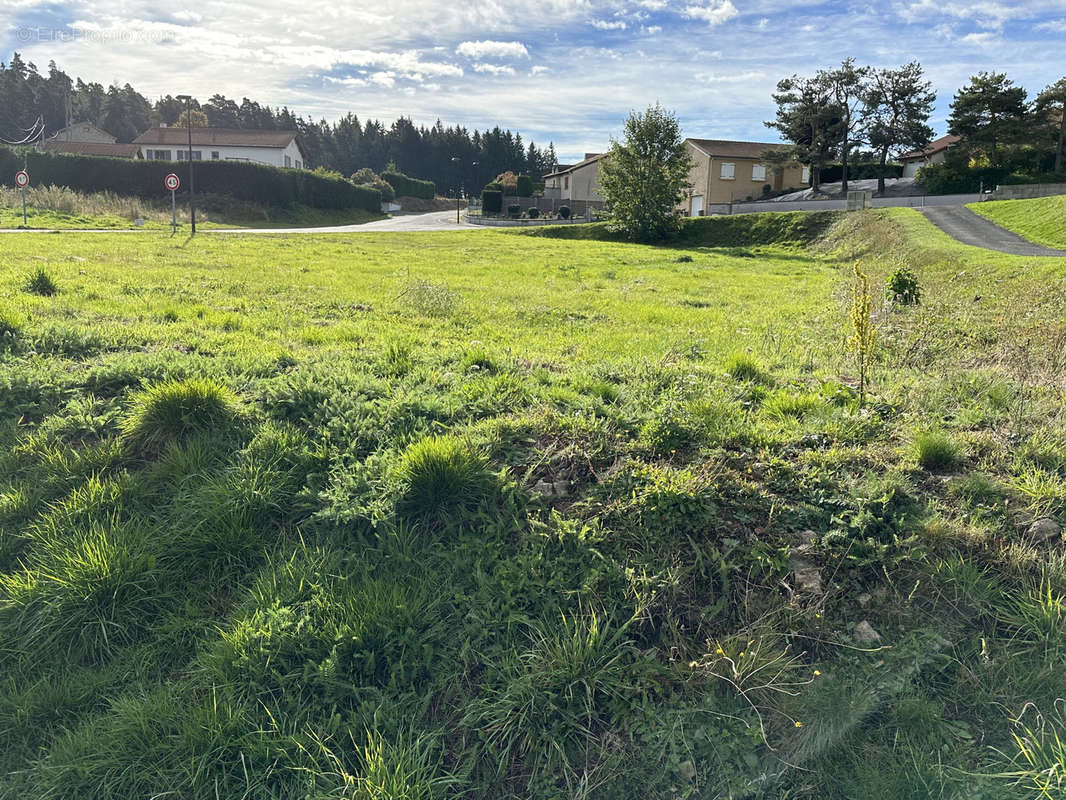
(489, 515)
(1041, 220)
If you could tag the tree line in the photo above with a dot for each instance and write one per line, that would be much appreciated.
(32, 103)
(835, 113)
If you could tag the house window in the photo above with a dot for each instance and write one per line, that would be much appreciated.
(806, 176)
(758, 172)
(566, 181)
(163, 155)
(214, 155)
(288, 161)
(197, 155)
(728, 170)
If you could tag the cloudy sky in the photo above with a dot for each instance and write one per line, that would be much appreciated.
(562, 70)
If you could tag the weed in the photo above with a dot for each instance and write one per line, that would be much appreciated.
(862, 334)
(430, 299)
(903, 288)
(41, 283)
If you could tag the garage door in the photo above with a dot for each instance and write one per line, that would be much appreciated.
(697, 205)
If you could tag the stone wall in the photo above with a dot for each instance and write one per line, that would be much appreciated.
(1022, 191)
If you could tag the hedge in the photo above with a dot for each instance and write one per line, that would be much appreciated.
(410, 187)
(491, 202)
(865, 170)
(524, 187)
(242, 180)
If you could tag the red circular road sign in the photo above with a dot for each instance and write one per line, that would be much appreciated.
(22, 179)
(172, 182)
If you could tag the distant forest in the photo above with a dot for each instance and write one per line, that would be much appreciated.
(347, 145)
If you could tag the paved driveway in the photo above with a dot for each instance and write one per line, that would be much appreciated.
(963, 224)
(433, 221)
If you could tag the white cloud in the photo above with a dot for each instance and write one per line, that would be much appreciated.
(493, 69)
(604, 25)
(651, 30)
(187, 16)
(713, 12)
(763, 23)
(489, 49)
(1054, 25)
(540, 69)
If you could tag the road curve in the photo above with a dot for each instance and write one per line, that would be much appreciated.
(969, 228)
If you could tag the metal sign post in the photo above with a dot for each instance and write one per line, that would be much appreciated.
(172, 182)
(22, 180)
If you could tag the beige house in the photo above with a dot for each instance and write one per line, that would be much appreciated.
(85, 139)
(577, 183)
(725, 172)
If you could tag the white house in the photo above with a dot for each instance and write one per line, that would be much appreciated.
(276, 148)
(933, 153)
(579, 182)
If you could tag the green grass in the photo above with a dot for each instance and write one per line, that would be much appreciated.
(500, 515)
(1041, 220)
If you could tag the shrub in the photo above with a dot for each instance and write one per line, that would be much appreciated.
(514, 211)
(41, 283)
(936, 451)
(175, 409)
(491, 201)
(410, 187)
(524, 186)
(903, 287)
(564, 212)
(533, 213)
(442, 480)
(743, 367)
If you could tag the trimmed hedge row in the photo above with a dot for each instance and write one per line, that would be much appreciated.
(242, 180)
(832, 173)
(410, 187)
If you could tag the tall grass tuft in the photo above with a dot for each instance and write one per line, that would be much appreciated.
(936, 451)
(743, 367)
(442, 480)
(88, 598)
(41, 283)
(176, 409)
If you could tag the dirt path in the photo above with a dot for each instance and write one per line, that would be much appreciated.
(961, 223)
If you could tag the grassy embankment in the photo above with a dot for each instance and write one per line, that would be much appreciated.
(59, 208)
(491, 515)
(1041, 220)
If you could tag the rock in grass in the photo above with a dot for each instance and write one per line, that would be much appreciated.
(1044, 530)
(864, 633)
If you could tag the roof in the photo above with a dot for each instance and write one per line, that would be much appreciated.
(82, 126)
(931, 149)
(724, 148)
(591, 157)
(222, 137)
(94, 149)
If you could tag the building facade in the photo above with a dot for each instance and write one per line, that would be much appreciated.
(276, 148)
(933, 153)
(726, 172)
(579, 182)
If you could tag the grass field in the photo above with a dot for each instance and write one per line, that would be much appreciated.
(59, 208)
(493, 515)
(1041, 220)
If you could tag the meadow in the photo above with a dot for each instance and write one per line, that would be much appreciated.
(499, 515)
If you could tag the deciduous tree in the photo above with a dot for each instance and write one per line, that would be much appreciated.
(643, 177)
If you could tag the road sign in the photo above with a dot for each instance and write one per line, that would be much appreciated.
(172, 182)
(22, 179)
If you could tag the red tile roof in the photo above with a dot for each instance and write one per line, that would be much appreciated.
(724, 148)
(934, 147)
(94, 149)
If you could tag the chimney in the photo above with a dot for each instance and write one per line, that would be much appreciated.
(590, 155)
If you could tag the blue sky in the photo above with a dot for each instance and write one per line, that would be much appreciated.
(562, 70)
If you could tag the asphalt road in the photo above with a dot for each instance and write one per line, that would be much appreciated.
(964, 225)
(433, 221)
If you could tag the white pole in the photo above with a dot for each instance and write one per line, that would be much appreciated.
(173, 214)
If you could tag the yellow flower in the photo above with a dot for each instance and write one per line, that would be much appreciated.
(742, 654)
(817, 673)
(720, 651)
(799, 724)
